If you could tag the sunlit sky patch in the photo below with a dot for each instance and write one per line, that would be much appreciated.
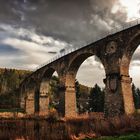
(132, 7)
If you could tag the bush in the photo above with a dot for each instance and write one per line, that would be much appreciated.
(53, 115)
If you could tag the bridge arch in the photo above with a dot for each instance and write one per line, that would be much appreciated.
(45, 80)
(70, 93)
(29, 89)
(78, 60)
(44, 90)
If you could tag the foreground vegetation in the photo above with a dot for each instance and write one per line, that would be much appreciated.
(94, 127)
(123, 137)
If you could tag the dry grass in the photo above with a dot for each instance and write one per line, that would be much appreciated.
(103, 126)
(81, 127)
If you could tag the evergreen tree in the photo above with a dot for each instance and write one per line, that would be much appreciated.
(54, 92)
(96, 102)
(136, 96)
(77, 89)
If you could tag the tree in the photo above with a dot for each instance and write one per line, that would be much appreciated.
(77, 89)
(54, 92)
(136, 96)
(96, 102)
(9, 83)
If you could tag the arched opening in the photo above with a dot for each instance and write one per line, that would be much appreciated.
(86, 74)
(90, 97)
(54, 92)
(134, 70)
(49, 94)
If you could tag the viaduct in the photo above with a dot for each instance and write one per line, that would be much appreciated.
(114, 50)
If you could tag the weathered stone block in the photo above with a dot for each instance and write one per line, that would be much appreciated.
(43, 105)
(70, 102)
(30, 110)
(127, 95)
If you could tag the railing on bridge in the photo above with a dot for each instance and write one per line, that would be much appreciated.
(112, 31)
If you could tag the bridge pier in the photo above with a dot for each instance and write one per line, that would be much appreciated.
(70, 102)
(30, 103)
(43, 105)
(70, 96)
(118, 95)
(44, 97)
(126, 90)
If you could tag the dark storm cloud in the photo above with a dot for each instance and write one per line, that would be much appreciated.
(74, 22)
(69, 20)
(80, 20)
(66, 20)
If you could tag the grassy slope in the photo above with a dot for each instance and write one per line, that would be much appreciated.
(124, 137)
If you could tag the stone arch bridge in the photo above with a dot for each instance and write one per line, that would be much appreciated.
(114, 51)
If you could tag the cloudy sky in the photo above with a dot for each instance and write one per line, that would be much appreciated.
(33, 31)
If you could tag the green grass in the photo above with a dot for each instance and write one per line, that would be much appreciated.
(124, 137)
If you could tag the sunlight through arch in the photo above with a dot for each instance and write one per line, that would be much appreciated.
(134, 69)
(90, 92)
(91, 72)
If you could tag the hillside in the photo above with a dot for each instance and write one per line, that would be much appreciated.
(10, 80)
